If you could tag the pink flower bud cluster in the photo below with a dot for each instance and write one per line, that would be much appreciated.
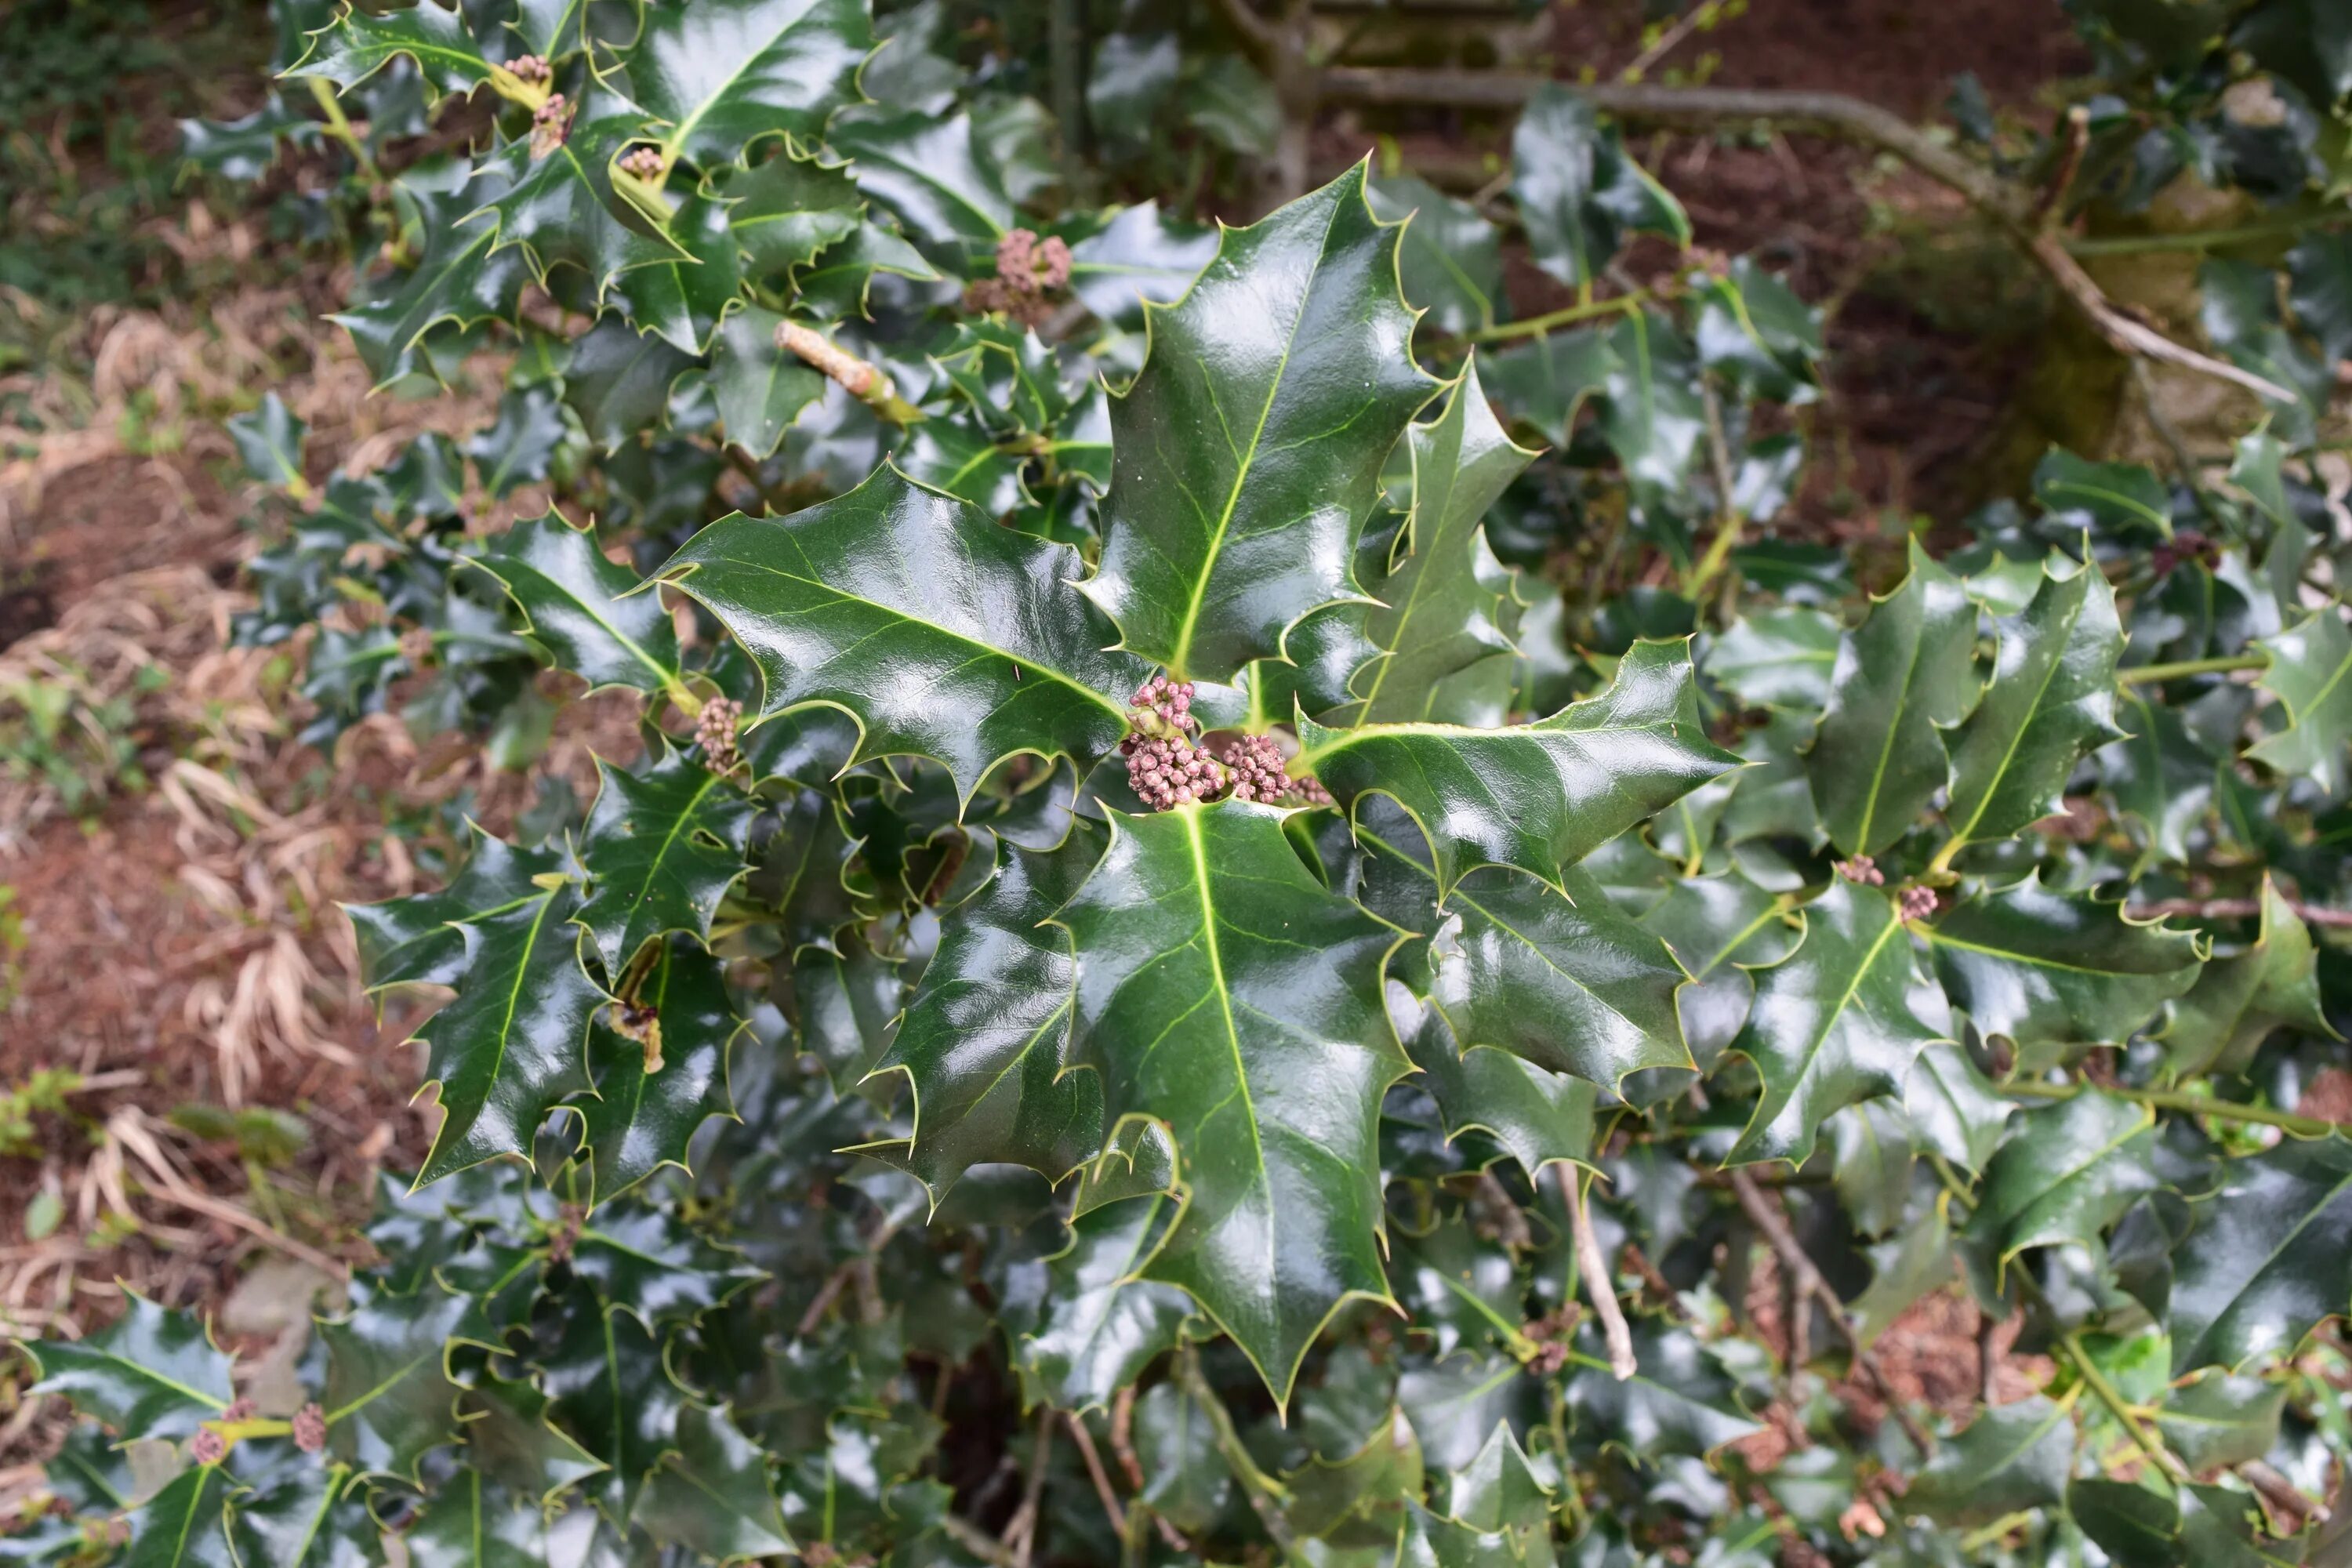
(530, 67)
(1027, 269)
(1916, 903)
(1166, 766)
(1862, 870)
(551, 122)
(310, 1429)
(644, 163)
(714, 732)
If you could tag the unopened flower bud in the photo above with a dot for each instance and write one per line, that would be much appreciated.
(310, 1429)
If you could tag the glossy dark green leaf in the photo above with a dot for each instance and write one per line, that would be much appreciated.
(303, 1514)
(649, 1263)
(474, 1523)
(1837, 1021)
(1536, 1115)
(1460, 1288)
(1953, 1107)
(1652, 415)
(152, 1373)
(2308, 666)
(2136, 1527)
(508, 1436)
(1248, 452)
(619, 381)
(1777, 659)
(2221, 1420)
(1186, 1479)
(1100, 1325)
(761, 389)
(1578, 191)
(2239, 999)
(943, 633)
(2105, 499)
(1719, 928)
(1503, 1501)
(2055, 973)
(609, 1387)
(1453, 1404)
(1678, 1401)
(1452, 260)
(183, 1526)
(1537, 796)
(787, 209)
(2066, 1173)
(712, 1494)
(1138, 255)
(571, 596)
(723, 75)
(2051, 699)
(638, 1121)
(1222, 991)
(415, 941)
(661, 847)
(2011, 1457)
(388, 1397)
(1902, 676)
(2270, 1257)
(1761, 337)
(459, 281)
(521, 448)
(2162, 774)
(1355, 1498)
(438, 40)
(513, 1043)
(985, 1043)
(1439, 609)
(928, 171)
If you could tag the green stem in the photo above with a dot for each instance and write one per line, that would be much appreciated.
(1976, 1542)
(2149, 673)
(1940, 868)
(2188, 1104)
(2105, 1392)
(1266, 1494)
(1730, 520)
(339, 126)
(1535, 326)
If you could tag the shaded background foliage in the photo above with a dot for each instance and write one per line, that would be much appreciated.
(1737, 942)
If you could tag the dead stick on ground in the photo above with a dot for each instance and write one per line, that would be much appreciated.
(1598, 1282)
(1766, 1215)
(1826, 113)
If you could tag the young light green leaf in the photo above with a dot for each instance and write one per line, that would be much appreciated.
(1835, 1022)
(1537, 796)
(1903, 675)
(1247, 454)
(943, 633)
(1193, 1004)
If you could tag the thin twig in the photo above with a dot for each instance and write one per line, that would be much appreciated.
(2223, 664)
(1598, 1282)
(974, 1540)
(1021, 1531)
(2105, 1392)
(860, 379)
(1765, 1214)
(1826, 113)
(2051, 204)
(2189, 1104)
(1682, 28)
(2234, 908)
(1085, 1442)
(1727, 517)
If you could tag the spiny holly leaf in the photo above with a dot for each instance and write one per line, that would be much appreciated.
(2161, 775)
(2270, 1257)
(303, 1514)
(724, 75)
(520, 448)
(1953, 1107)
(388, 1397)
(985, 1041)
(1193, 1005)
(650, 1263)
(1439, 608)
(2011, 1457)
(1358, 1498)
(1504, 1503)
(152, 1373)
(608, 1386)
(945, 635)
(713, 1495)
(1098, 1325)
(2238, 1000)
(1537, 1116)
(2066, 1173)
(662, 847)
(1139, 255)
(1777, 658)
(682, 298)
(931, 171)
(476, 1524)
(2051, 699)
(2221, 1420)
(1678, 1401)
(2308, 668)
(508, 1436)
(640, 1120)
(573, 598)
(416, 940)
(1537, 796)
(436, 39)
(785, 210)
(1452, 258)
(1578, 191)
(2052, 972)
(512, 1044)
(1186, 1480)
(1903, 675)
(1247, 454)
(1562, 978)
(619, 381)
(760, 388)
(559, 206)
(1835, 1022)
(183, 1526)
(269, 442)
(1459, 1288)
(460, 279)
(1719, 928)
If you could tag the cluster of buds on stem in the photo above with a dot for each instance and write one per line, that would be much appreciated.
(1027, 269)
(531, 69)
(1166, 766)
(714, 732)
(310, 1429)
(1916, 902)
(2184, 546)
(551, 122)
(644, 163)
(1862, 870)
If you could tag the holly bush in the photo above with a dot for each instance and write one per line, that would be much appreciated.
(1263, 916)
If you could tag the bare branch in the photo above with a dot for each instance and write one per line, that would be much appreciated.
(1828, 114)
(1598, 1281)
